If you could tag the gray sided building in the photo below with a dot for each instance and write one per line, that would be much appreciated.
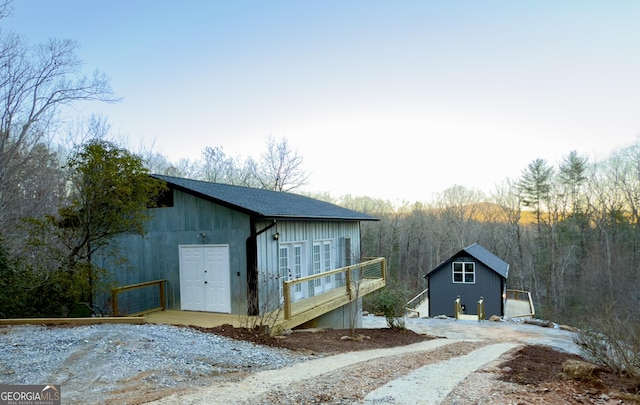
(471, 273)
(227, 249)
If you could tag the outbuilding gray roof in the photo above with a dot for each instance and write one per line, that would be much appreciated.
(483, 255)
(264, 203)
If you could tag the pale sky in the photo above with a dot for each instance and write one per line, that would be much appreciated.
(389, 99)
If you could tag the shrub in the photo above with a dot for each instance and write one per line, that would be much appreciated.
(613, 341)
(391, 302)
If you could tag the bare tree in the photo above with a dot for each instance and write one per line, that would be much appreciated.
(36, 82)
(216, 166)
(280, 168)
(509, 217)
(5, 8)
(458, 206)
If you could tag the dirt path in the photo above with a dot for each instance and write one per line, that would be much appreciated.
(288, 385)
(293, 384)
(259, 383)
(442, 378)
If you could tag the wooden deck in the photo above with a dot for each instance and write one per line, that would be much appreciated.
(302, 311)
(193, 318)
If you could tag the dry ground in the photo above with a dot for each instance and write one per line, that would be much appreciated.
(536, 370)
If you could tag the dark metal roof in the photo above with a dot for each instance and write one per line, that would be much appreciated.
(264, 203)
(483, 255)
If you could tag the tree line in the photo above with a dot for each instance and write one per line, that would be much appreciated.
(67, 190)
(570, 233)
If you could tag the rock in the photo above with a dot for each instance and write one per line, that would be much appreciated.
(580, 370)
(441, 317)
(539, 322)
(507, 369)
(495, 318)
(310, 330)
(357, 337)
(365, 313)
(568, 328)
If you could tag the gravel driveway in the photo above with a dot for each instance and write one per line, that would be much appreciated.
(91, 363)
(139, 363)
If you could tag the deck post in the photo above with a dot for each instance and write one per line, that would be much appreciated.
(481, 314)
(163, 296)
(384, 270)
(287, 300)
(114, 302)
(348, 278)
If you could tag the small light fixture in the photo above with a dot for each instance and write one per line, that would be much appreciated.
(276, 236)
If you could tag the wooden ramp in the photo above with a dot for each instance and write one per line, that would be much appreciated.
(518, 309)
(194, 318)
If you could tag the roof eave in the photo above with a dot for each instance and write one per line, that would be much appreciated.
(261, 214)
(314, 218)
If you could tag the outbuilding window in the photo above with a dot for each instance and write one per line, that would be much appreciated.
(464, 272)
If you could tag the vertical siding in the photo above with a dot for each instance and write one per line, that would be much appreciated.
(443, 291)
(306, 232)
(155, 256)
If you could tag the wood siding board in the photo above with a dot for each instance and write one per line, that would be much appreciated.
(156, 256)
(306, 232)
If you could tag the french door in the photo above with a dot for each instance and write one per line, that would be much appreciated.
(292, 267)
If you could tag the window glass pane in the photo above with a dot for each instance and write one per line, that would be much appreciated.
(468, 278)
(457, 266)
(327, 256)
(468, 267)
(316, 259)
(457, 277)
(297, 266)
(284, 263)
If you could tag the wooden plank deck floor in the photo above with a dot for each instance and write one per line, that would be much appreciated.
(301, 311)
(195, 318)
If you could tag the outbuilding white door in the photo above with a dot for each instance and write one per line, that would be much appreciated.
(205, 278)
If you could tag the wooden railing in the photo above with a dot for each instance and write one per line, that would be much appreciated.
(116, 302)
(359, 279)
(416, 301)
(515, 297)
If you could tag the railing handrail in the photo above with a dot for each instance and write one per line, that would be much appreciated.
(420, 295)
(116, 290)
(139, 285)
(515, 295)
(349, 288)
(334, 271)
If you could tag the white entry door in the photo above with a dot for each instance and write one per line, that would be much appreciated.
(205, 278)
(292, 267)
